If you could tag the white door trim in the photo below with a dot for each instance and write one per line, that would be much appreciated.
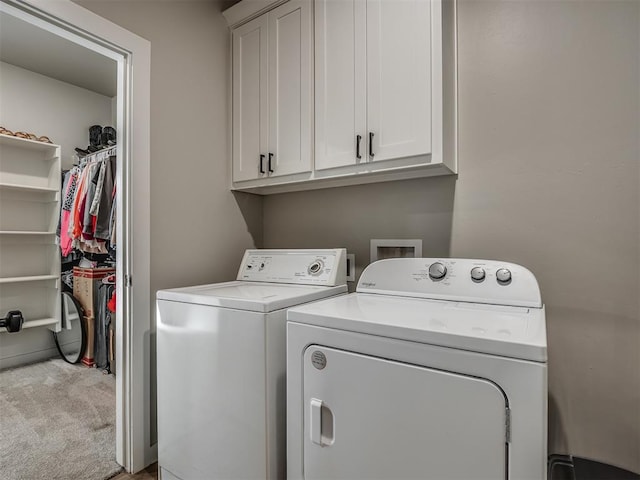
(133, 55)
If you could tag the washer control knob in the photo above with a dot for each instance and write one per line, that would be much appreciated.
(503, 276)
(478, 274)
(437, 271)
(316, 267)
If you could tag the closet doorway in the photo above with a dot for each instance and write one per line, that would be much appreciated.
(66, 23)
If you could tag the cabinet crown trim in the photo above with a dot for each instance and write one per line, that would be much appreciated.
(247, 10)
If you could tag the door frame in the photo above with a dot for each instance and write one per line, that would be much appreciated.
(132, 53)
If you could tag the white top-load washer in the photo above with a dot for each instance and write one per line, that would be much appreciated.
(221, 353)
(433, 369)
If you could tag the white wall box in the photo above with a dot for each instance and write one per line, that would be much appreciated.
(29, 210)
(384, 92)
(401, 248)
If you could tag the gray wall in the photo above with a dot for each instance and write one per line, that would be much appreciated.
(199, 229)
(549, 127)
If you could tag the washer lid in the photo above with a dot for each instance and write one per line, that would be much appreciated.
(516, 332)
(251, 296)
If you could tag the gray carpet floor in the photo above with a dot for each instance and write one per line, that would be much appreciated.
(57, 421)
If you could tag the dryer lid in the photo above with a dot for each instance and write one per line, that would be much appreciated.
(516, 332)
(251, 296)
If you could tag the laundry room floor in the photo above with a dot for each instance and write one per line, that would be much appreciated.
(150, 473)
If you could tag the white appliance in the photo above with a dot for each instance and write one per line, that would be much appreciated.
(433, 369)
(221, 352)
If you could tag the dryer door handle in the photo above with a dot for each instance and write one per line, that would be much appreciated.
(321, 427)
(316, 421)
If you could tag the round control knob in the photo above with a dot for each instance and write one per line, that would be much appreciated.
(478, 274)
(503, 276)
(315, 268)
(437, 271)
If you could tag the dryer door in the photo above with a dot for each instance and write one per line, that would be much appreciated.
(372, 418)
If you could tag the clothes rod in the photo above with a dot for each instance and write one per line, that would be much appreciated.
(106, 149)
(104, 153)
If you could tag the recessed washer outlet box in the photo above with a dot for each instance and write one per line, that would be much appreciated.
(395, 248)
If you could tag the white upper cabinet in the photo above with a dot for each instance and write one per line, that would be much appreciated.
(398, 78)
(373, 80)
(341, 83)
(341, 92)
(290, 88)
(250, 99)
(272, 93)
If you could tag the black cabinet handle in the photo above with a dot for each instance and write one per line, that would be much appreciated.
(261, 163)
(358, 138)
(269, 164)
(371, 154)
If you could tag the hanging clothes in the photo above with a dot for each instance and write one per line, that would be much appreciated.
(87, 216)
(103, 320)
(87, 220)
(95, 203)
(66, 241)
(104, 201)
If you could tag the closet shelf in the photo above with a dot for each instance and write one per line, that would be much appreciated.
(24, 232)
(28, 144)
(28, 188)
(29, 212)
(35, 278)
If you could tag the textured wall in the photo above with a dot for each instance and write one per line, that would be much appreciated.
(549, 150)
(199, 229)
(549, 129)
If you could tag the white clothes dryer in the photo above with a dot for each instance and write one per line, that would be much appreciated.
(433, 369)
(221, 352)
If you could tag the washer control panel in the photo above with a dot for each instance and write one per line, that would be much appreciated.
(326, 267)
(478, 281)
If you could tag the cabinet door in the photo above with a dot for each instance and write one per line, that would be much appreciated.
(341, 84)
(399, 78)
(250, 98)
(290, 88)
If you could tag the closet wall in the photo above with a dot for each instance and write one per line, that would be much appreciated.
(35, 103)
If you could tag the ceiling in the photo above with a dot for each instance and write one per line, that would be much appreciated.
(40, 51)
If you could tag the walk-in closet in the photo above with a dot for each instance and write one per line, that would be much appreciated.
(58, 217)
